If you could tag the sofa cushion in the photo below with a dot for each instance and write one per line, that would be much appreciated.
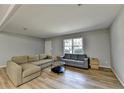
(81, 57)
(33, 58)
(42, 62)
(29, 69)
(42, 56)
(67, 56)
(71, 60)
(64, 59)
(73, 56)
(20, 59)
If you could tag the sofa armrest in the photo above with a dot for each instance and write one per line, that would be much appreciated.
(14, 72)
(88, 61)
(85, 59)
(56, 58)
(61, 57)
(49, 56)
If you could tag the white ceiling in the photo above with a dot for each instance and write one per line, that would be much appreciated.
(51, 20)
(3, 9)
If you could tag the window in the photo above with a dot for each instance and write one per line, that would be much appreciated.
(77, 46)
(73, 46)
(68, 46)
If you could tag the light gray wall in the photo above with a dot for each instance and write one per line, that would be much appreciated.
(96, 44)
(14, 45)
(117, 46)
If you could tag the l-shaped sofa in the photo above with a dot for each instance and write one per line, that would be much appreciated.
(21, 69)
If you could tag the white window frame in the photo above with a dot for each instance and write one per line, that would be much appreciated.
(73, 45)
(64, 45)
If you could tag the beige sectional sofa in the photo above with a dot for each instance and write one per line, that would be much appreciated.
(21, 69)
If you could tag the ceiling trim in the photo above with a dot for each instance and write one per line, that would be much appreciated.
(9, 13)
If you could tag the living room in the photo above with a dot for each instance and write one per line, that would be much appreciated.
(61, 46)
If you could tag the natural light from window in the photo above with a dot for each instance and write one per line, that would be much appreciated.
(73, 46)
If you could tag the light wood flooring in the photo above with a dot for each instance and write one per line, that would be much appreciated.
(73, 78)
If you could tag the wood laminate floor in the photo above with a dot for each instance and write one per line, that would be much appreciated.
(73, 78)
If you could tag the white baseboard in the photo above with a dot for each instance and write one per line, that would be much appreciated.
(2, 66)
(118, 77)
(122, 83)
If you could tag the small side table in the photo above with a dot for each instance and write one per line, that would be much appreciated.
(94, 63)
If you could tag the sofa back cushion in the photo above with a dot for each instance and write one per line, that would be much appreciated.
(73, 56)
(42, 56)
(67, 56)
(81, 57)
(20, 59)
(33, 58)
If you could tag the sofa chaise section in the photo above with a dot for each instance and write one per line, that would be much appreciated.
(21, 69)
